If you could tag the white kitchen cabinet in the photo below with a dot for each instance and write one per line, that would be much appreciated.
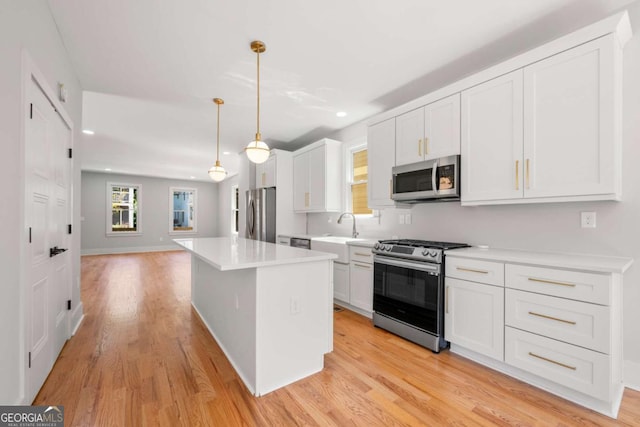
(317, 174)
(361, 278)
(266, 172)
(546, 132)
(381, 158)
(341, 281)
(491, 144)
(474, 311)
(429, 132)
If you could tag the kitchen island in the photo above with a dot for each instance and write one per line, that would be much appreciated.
(269, 307)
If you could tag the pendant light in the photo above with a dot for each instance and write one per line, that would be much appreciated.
(258, 151)
(217, 172)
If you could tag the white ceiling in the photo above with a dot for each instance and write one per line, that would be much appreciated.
(150, 68)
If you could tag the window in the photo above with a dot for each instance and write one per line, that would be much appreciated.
(123, 209)
(358, 181)
(235, 209)
(182, 210)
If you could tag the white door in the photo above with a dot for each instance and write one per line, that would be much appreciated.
(442, 128)
(569, 126)
(409, 137)
(318, 179)
(381, 157)
(491, 144)
(47, 211)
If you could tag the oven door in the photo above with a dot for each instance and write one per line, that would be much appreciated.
(408, 291)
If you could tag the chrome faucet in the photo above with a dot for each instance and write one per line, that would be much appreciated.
(354, 234)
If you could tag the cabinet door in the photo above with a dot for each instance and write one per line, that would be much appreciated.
(341, 281)
(361, 286)
(474, 317)
(442, 128)
(410, 137)
(569, 125)
(491, 144)
(266, 173)
(317, 179)
(381, 157)
(301, 182)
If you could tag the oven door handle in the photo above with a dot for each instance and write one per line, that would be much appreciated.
(430, 268)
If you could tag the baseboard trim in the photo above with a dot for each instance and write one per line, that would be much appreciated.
(129, 250)
(632, 375)
(77, 325)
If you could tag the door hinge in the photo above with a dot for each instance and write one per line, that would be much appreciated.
(29, 234)
(69, 228)
(29, 359)
(68, 304)
(71, 153)
(31, 111)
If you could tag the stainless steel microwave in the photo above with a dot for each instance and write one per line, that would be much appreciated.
(430, 180)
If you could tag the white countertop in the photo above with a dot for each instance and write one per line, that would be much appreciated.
(585, 262)
(367, 243)
(236, 253)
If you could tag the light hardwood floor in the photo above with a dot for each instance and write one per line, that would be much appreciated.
(143, 357)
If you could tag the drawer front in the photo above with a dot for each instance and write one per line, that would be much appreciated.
(589, 287)
(491, 273)
(575, 367)
(360, 254)
(574, 322)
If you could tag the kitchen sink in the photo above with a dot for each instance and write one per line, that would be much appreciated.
(335, 245)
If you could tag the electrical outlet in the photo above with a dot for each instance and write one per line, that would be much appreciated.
(588, 219)
(407, 218)
(401, 219)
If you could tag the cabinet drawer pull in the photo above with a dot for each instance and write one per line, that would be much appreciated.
(517, 174)
(426, 146)
(361, 254)
(362, 265)
(533, 313)
(573, 368)
(420, 147)
(551, 282)
(471, 270)
(527, 172)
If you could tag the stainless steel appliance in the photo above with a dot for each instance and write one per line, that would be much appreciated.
(261, 215)
(300, 242)
(408, 289)
(430, 180)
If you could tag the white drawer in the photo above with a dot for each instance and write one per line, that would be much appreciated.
(579, 323)
(360, 254)
(491, 273)
(575, 367)
(589, 287)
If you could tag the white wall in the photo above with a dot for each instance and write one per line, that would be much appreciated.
(27, 25)
(154, 216)
(545, 227)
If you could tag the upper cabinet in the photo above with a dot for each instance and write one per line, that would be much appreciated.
(381, 158)
(428, 132)
(317, 175)
(546, 132)
(266, 172)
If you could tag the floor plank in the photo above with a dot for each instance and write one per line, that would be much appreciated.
(143, 357)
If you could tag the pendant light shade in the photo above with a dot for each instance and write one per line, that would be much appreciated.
(257, 150)
(217, 172)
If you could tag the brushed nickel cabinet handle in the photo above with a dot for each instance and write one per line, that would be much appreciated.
(426, 146)
(517, 174)
(527, 172)
(362, 265)
(573, 368)
(361, 254)
(551, 282)
(420, 148)
(533, 313)
(471, 270)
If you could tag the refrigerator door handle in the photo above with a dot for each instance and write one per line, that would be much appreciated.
(250, 219)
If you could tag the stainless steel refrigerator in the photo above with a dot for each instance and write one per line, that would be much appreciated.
(261, 215)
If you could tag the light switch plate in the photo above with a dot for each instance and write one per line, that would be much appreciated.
(588, 219)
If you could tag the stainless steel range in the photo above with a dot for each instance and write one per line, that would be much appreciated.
(408, 289)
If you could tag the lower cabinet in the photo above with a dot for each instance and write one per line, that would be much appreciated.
(474, 316)
(361, 284)
(341, 281)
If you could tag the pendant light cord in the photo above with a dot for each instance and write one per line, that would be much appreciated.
(218, 138)
(258, 84)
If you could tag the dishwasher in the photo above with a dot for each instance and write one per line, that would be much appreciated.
(298, 242)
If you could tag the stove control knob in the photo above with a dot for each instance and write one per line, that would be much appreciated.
(376, 246)
(425, 252)
(388, 247)
(433, 253)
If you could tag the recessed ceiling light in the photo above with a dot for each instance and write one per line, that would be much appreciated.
(226, 153)
(107, 169)
(88, 132)
(341, 114)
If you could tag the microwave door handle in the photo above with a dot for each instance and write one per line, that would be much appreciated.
(434, 181)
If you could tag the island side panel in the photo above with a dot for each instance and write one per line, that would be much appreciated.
(226, 302)
(295, 322)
